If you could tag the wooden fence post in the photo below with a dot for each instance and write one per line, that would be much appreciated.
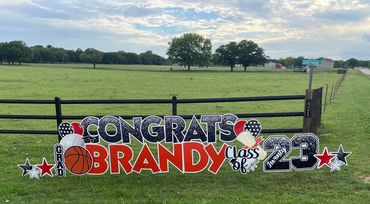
(312, 110)
(58, 114)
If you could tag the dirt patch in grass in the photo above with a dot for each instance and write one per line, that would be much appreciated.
(365, 178)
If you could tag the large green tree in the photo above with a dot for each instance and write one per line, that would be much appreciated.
(249, 53)
(190, 49)
(246, 53)
(92, 56)
(16, 51)
(228, 54)
(206, 54)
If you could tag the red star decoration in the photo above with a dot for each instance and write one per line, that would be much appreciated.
(325, 158)
(45, 168)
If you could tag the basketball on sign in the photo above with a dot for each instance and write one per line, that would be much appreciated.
(77, 160)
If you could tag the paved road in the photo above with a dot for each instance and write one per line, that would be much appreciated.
(365, 71)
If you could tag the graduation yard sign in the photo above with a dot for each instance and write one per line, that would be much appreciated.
(157, 144)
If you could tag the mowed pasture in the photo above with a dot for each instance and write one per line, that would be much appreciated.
(346, 121)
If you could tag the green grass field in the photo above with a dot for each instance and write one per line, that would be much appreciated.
(346, 121)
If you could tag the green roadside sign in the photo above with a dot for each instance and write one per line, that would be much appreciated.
(314, 62)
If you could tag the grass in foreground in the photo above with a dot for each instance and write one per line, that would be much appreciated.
(346, 122)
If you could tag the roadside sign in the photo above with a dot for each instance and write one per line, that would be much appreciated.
(312, 62)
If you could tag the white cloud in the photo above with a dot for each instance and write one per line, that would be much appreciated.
(15, 3)
(275, 24)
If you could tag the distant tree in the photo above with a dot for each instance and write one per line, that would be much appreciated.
(362, 63)
(168, 61)
(73, 56)
(259, 57)
(2, 52)
(279, 61)
(146, 57)
(216, 59)
(339, 63)
(92, 56)
(36, 53)
(158, 60)
(78, 52)
(206, 54)
(61, 55)
(121, 57)
(149, 57)
(190, 49)
(228, 54)
(352, 62)
(289, 62)
(46, 54)
(132, 58)
(298, 61)
(249, 53)
(111, 58)
(16, 51)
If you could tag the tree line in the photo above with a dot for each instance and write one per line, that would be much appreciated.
(351, 63)
(296, 62)
(18, 52)
(190, 49)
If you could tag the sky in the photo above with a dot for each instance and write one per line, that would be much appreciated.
(337, 29)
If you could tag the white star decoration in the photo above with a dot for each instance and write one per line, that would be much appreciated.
(34, 173)
(335, 166)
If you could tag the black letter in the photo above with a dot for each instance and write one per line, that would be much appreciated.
(157, 133)
(85, 123)
(104, 121)
(175, 125)
(211, 121)
(127, 129)
(195, 131)
(227, 127)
